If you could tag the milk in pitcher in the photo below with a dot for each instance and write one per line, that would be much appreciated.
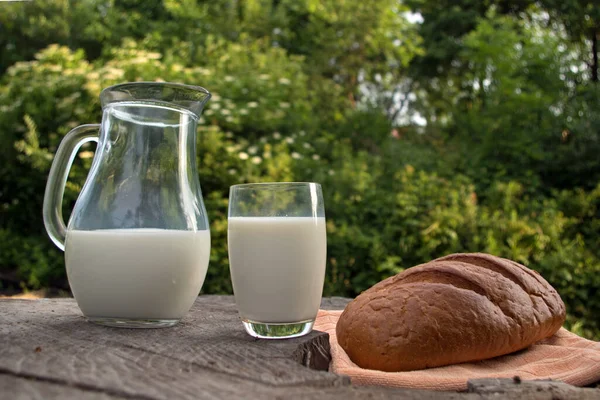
(136, 273)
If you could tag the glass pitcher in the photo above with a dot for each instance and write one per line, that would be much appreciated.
(137, 244)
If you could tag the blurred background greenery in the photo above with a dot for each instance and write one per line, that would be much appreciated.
(434, 126)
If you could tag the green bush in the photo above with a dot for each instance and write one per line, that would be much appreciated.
(34, 262)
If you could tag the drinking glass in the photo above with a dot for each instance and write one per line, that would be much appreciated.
(277, 250)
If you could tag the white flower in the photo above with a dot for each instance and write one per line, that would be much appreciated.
(263, 140)
(225, 112)
(139, 60)
(289, 140)
(243, 156)
(230, 149)
(232, 171)
(302, 133)
(306, 145)
(215, 97)
(267, 154)
(229, 78)
(252, 149)
(243, 111)
(252, 104)
(256, 160)
(214, 106)
(276, 135)
(331, 172)
(228, 135)
(209, 112)
(86, 154)
(264, 76)
(201, 120)
(284, 81)
(284, 105)
(316, 157)
(296, 156)
(115, 73)
(229, 119)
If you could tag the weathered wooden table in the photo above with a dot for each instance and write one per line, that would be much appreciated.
(48, 350)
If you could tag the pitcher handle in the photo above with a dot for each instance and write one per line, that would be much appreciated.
(59, 172)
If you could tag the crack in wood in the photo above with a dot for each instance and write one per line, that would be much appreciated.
(340, 380)
(78, 385)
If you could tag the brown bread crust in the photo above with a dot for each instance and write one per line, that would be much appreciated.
(458, 308)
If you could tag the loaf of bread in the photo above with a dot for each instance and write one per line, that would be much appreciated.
(458, 308)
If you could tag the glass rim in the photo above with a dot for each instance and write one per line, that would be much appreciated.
(271, 184)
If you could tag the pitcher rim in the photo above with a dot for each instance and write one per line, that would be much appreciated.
(188, 94)
(168, 84)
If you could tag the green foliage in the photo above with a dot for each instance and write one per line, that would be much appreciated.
(507, 114)
(581, 21)
(36, 263)
(517, 111)
(573, 147)
(445, 23)
(308, 91)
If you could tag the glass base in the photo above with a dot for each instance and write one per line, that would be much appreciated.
(269, 330)
(133, 323)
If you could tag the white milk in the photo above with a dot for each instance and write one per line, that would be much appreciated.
(277, 267)
(136, 273)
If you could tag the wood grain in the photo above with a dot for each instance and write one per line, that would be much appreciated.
(515, 388)
(48, 350)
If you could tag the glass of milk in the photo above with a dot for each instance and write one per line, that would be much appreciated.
(277, 252)
(137, 244)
